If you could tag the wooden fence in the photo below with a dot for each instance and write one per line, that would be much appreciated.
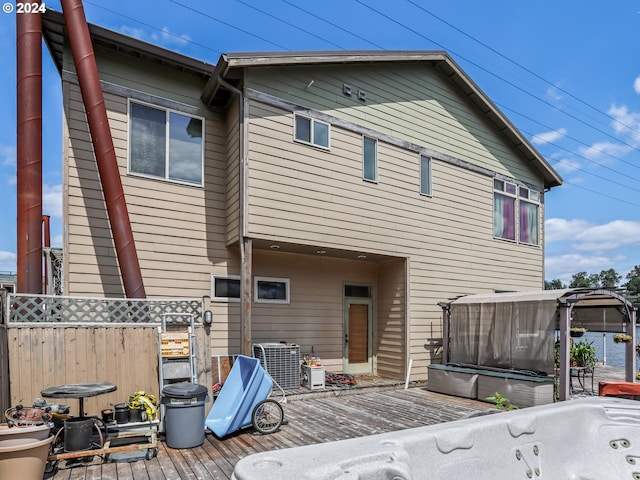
(46, 354)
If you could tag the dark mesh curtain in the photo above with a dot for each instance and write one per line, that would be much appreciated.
(516, 334)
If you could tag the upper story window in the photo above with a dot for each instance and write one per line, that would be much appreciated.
(311, 131)
(165, 144)
(515, 213)
(425, 175)
(529, 205)
(370, 159)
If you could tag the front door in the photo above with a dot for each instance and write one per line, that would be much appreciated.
(357, 335)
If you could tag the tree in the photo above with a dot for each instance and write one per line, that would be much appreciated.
(555, 284)
(633, 281)
(609, 278)
(583, 279)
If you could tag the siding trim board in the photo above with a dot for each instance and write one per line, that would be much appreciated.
(272, 101)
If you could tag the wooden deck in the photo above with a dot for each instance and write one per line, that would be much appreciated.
(312, 418)
(376, 406)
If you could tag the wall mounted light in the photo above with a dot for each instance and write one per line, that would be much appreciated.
(207, 318)
(275, 247)
(321, 252)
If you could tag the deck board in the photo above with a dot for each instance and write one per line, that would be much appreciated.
(311, 420)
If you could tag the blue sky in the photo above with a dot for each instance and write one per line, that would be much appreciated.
(566, 73)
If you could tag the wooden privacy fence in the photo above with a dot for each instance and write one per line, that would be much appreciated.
(122, 350)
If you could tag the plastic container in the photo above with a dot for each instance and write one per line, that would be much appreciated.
(122, 413)
(25, 462)
(184, 414)
(77, 434)
(21, 435)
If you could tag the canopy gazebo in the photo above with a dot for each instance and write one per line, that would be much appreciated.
(516, 330)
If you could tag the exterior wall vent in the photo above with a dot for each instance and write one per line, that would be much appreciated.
(362, 95)
(346, 89)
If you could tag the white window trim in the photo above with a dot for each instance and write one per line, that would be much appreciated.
(430, 186)
(214, 298)
(312, 120)
(269, 300)
(375, 159)
(166, 160)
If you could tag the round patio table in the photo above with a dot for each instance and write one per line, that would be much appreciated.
(79, 391)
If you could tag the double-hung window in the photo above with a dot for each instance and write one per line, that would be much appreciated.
(515, 212)
(370, 159)
(311, 131)
(529, 204)
(165, 144)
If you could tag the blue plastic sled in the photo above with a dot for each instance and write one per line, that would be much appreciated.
(246, 386)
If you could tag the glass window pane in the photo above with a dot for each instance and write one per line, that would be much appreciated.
(303, 129)
(369, 160)
(510, 188)
(425, 175)
(226, 288)
(148, 140)
(272, 290)
(360, 291)
(504, 220)
(185, 148)
(498, 185)
(321, 134)
(528, 223)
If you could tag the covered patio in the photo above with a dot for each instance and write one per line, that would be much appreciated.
(516, 331)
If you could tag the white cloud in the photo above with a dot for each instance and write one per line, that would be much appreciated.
(549, 137)
(636, 85)
(566, 165)
(600, 150)
(585, 236)
(625, 122)
(8, 261)
(609, 236)
(52, 200)
(165, 37)
(554, 93)
(8, 155)
(564, 266)
(559, 229)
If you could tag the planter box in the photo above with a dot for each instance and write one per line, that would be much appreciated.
(521, 390)
(453, 380)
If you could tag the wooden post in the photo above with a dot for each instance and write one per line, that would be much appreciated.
(565, 324)
(630, 353)
(246, 292)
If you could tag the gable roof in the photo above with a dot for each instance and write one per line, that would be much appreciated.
(230, 66)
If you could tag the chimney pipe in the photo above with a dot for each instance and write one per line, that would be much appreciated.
(29, 151)
(93, 99)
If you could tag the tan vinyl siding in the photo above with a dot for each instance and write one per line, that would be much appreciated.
(314, 318)
(397, 95)
(233, 173)
(175, 226)
(391, 313)
(306, 195)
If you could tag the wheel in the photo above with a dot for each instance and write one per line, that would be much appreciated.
(151, 453)
(267, 416)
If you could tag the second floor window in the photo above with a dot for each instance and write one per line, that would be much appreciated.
(165, 144)
(370, 159)
(515, 213)
(311, 131)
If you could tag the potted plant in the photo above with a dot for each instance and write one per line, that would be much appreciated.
(583, 354)
(577, 332)
(621, 338)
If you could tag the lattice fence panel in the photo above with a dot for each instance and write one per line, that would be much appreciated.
(57, 309)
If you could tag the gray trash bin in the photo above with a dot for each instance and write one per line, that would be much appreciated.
(184, 414)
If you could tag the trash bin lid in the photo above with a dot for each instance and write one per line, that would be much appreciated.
(184, 390)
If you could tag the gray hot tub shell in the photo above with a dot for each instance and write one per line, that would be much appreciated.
(586, 439)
